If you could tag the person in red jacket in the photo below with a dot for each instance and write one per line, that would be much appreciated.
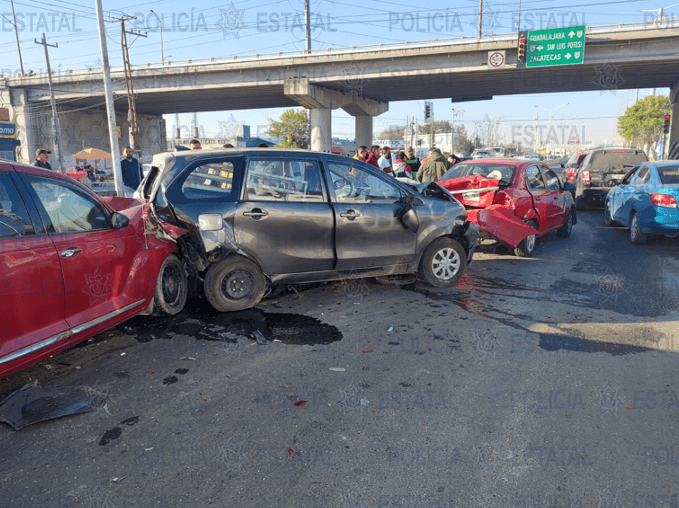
(372, 156)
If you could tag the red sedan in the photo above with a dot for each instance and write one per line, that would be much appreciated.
(512, 200)
(73, 264)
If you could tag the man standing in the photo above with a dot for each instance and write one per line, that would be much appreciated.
(41, 159)
(412, 159)
(362, 154)
(385, 160)
(373, 156)
(195, 145)
(129, 167)
(434, 168)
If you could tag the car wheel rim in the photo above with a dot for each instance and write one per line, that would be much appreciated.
(569, 222)
(171, 284)
(446, 264)
(608, 212)
(238, 284)
(634, 229)
(530, 243)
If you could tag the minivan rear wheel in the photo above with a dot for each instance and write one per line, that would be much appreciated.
(234, 284)
(443, 262)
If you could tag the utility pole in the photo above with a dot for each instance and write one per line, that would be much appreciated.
(177, 130)
(16, 31)
(110, 108)
(195, 125)
(162, 50)
(307, 25)
(135, 142)
(55, 119)
(480, 18)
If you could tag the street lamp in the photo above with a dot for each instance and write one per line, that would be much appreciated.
(160, 23)
(550, 111)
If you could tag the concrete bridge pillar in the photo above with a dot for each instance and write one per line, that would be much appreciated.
(320, 101)
(320, 123)
(364, 130)
(673, 152)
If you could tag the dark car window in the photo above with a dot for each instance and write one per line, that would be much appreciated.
(629, 176)
(669, 175)
(14, 218)
(641, 176)
(283, 180)
(619, 159)
(353, 184)
(70, 210)
(551, 179)
(534, 179)
(209, 180)
(483, 169)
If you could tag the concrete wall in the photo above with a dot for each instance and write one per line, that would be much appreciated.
(80, 128)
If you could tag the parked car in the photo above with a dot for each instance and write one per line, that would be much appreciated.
(645, 201)
(263, 217)
(512, 200)
(602, 169)
(571, 166)
(73, 264)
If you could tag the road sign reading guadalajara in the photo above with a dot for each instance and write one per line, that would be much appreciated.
(556, 46)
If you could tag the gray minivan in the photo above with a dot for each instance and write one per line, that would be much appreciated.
(260, 217)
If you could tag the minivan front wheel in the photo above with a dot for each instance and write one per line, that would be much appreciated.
(234, 284)
(443, 263)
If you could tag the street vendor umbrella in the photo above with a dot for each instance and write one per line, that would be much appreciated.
(92, 154)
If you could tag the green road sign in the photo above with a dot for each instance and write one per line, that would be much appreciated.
(556, 46)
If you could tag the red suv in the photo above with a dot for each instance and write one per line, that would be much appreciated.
(73, 264)
(571, 167)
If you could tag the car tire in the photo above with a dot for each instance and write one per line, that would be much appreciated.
(635, 233)
(171, 287)
(567, 228)
(443, 263)
(234, 284)
(527, 245)
(608, 218)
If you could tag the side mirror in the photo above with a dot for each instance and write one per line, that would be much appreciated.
(408, 217)
(119, 221)
(562, 165)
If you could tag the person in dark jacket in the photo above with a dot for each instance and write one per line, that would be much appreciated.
(129, 166)
(412, 159)
(41, 159)
(434, 168)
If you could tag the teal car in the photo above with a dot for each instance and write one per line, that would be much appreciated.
(645, 201)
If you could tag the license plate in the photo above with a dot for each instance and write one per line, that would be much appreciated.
(471, 196)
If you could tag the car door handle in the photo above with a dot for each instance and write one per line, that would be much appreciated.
(350, 214)
(256, 212)
(70, 252)
(556, 197)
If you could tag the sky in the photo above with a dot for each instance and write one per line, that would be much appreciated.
(204, 29)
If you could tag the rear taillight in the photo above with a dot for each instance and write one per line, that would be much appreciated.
(571, 174)
(664, 200)
(504, 199)
(585, 177)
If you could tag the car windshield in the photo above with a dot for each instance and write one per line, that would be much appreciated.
(669, 174)
(606, 161)
(503, 172)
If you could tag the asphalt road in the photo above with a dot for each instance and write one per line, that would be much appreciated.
(542, 382)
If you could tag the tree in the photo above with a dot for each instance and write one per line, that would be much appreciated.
(394, 132)
(292, 129)
(439, 126)
(462, 145)
(643, 122)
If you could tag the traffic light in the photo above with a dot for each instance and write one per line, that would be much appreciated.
(521, 55)
(666, 125)
(427, 113)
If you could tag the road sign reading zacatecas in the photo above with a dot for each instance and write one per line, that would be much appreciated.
(556, 46)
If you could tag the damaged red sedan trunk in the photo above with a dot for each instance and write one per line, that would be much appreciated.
(513, 201)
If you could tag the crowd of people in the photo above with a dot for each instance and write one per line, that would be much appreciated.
(406, 164)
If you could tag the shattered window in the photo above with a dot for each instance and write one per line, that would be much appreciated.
(211, 180)
(284, 180)
(534, 179)
(356, 185)
(14, 218)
